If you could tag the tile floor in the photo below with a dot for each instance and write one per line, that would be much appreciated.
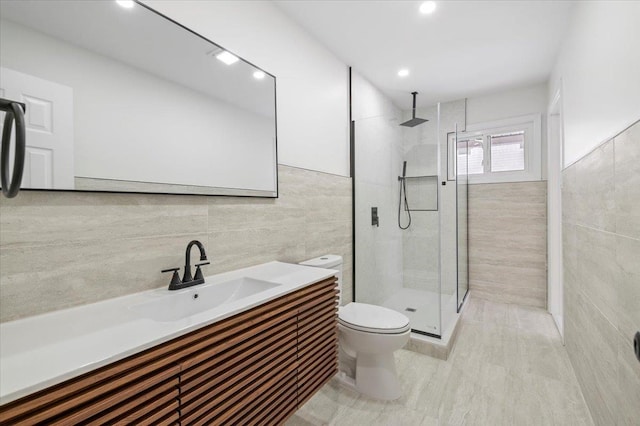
(508, 367)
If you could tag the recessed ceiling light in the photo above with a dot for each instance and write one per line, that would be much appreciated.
(403, 72)
(258, 75)
(427, 7)
(127, 4)
(227, 58)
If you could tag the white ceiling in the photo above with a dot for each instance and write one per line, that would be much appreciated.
(145, 40)
(463, 49)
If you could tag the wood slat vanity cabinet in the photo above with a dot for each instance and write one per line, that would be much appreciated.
(255, 368)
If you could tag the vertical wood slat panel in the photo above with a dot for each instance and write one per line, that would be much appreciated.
(140, 388)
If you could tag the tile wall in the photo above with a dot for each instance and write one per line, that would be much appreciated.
(601, 256)
(64, 249)
(508, 242)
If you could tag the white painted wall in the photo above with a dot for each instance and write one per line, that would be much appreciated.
(512, 103)
(312, 84)
(599, 66)
(507, 103)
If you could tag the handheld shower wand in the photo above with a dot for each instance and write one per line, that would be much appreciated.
(403, 188)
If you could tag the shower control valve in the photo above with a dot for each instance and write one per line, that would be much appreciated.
(375, 221)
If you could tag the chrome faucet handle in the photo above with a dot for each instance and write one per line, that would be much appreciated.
(175, 279)
(198, 275)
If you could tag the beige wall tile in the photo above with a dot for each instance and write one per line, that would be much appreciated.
(595, 189)
(44, 218)
(38, 279)
(240, 248)
(591, 344)
(598, 271)
(528, 294)
(569, 194)
(327, 237)
(601, 275)
(64, 249)
(347, 285)
(507, 242)
(628, 376)
(627, 182)
(628, 286)
(569, 255)
(230, 213)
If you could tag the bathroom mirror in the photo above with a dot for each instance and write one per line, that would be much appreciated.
(120, 98)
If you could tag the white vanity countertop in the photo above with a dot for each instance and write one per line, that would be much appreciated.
(44, 350)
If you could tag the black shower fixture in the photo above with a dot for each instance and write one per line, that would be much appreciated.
(414, 121)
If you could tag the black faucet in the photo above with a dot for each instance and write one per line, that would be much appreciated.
(187, 279)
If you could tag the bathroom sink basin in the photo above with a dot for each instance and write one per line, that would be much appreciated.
(173, 306)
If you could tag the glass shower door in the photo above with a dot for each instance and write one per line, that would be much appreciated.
(462, 195)
(398, 268)
(420, 295)
(378, 240)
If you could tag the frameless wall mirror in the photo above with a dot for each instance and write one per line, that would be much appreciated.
(120, 98)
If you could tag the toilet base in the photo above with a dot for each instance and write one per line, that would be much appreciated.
(376, 376)
(371, 375)
(346, 381)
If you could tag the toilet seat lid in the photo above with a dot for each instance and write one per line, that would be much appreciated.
(372, 318)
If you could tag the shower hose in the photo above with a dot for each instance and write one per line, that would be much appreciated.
(403, 190)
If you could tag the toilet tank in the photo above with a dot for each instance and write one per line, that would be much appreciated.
(328, 261)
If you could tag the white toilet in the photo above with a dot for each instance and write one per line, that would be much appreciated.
(369, 335)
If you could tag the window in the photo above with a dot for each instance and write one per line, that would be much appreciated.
(507, 152)
(502, 151)
(470, 156)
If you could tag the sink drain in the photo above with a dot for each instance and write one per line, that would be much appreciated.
(410, 309)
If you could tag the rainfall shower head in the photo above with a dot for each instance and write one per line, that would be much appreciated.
(414, 121)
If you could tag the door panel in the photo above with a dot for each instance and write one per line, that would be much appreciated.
(49, 126)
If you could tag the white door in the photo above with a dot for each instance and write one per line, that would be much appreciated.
(49, 129)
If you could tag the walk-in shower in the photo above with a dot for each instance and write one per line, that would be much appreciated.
(410, 262)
